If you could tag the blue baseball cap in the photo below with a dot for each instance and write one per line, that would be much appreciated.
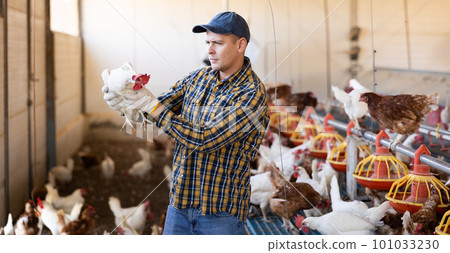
(226, 23)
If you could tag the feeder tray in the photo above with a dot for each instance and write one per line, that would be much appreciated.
(380, 170)
(289, 125)
(338, 156)
(410, 192)
(318, 143)
(306, 129)
(444, 226)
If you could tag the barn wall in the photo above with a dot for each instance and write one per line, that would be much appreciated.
(38, 68)
(26, 124)
(17, 104)
(2, 129)
(69, 119)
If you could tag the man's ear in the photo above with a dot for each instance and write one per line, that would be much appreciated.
(242, 45)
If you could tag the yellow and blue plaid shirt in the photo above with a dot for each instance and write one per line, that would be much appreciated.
(218, 127)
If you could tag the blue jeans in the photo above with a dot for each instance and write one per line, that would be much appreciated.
(190, 221)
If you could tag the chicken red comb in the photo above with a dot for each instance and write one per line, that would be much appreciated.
(299, 223)
(147, 205)
(120, 231)
(140, 80)
(83, 191)
(40, 203)
(298, 220)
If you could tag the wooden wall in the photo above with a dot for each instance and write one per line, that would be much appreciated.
(69, 119)
(24, 140)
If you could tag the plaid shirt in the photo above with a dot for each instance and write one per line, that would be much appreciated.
(218, 127)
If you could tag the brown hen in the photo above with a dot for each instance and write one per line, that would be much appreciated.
(83, 226)
(302, 100)
(427, 216)
(299, 196)
(400, 113)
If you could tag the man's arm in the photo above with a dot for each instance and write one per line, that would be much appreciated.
(233, 123)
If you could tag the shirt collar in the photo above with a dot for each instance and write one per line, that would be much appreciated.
(234, 78)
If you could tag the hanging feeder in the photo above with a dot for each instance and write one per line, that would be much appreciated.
(319, 142)
(338, 156)
(289, 124)
(380, 170)
(444, 226)
(410, 192)
(306, 129)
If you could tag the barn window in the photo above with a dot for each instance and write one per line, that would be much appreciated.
(64, 16)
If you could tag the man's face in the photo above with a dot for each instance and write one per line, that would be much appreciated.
(223, 51)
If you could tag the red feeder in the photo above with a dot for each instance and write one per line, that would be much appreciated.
(318, 143)
(338, 156)
(289, 124)
(410, 192)
(380, 170)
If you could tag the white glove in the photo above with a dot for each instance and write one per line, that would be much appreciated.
(112, 99)
(142, 101)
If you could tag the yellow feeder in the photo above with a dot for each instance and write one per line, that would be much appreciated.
(410, 192)
(338, 156)
(319, 142)
(444, 226)
(380, 170)
(306, 129)
(289, 124)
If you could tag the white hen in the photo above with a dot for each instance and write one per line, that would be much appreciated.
(67, 202)
(108, 167)
(261, 189)
(337, 204)
(8, 229)
(352, 106)
(339, 223)
(62, 174)
(135, 217)
(49, 216)
(142, 167)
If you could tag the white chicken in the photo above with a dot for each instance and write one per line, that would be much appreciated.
(261, 189)
(108, 167)
(373, 215)
(122, 81)
(337, 223)
(8, 229)
(357, 86)
(135, 216)
(49, 216)
(142, 167)
(62, 174)
(352, 106)
(319, 186)
(408, 143)
(325, 169)
(271, 153)
(289, 158)
(337, 204)
(66, 203)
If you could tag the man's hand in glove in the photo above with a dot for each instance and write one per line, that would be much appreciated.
(142, 101)
(112, 99)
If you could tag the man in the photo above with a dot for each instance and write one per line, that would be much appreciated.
(217, 116)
